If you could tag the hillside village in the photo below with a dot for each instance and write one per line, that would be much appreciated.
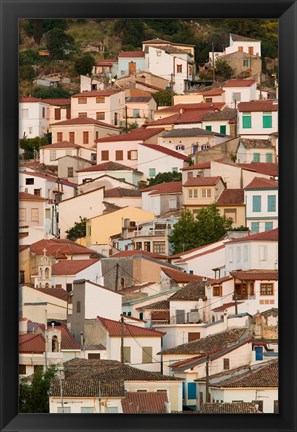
(133, 322)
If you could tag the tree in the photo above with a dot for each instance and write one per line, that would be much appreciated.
(34, 398)
(58, 43)
(84, 64)
(163, 98)
(78, 230)
(165, 177)
(27, 72)
(30, 145)
(50, 92)
(223, 70)
(183, 235)
(210, 225)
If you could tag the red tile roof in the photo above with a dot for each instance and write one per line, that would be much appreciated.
(29, 99)
(67, 340)
(262, 183)
(31, 343)
(55, 247)
(202, 181)
(96, 93)
(266, 168)
(225, 306)
(148, 85)
(271, 235)
(190, 116)
(59, 293)
(83, 121)
(192, 106)
(58, 102)
(239, 83)
(179, 276)
(24, 196)
(23, 247)
(255, 275)
(221, 280)
(209, 251)
(204, 165)
(146, 402)
(119, 192)
(167, 151)
(107, 166)
(165, 42)
(72, 267)
(48, 177)
(108, 62)
(164, 188)
(139, 134)
(131, 54)
(213, 92)
(132, 253)
(60, 144)
(258, 106)
(231, 197)
(114, 329)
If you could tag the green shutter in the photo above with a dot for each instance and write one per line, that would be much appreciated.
(152, 172)
(271, 203)
(223, 130)
(255, 227)
(256, 157)
(268, 226)
(267, 121)
(246, 121)
(256, 203)
(268, 157)
(208, 128)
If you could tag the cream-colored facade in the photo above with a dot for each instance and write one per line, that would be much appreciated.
(101, 228)
(140, 112)
(187, 98)
(196, 197)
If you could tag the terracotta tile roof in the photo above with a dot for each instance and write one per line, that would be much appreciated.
(108, 62)
(139, 134)
(271, 235)
(191, 116)
(229, 408)
(31, 343)
(192, 106)
(134, 92)
(59, 293)
(131, 54)
(238, 38)
(231, 197)
(59, 246)
(204, 165)
(114, 329)
(83, 121)
(202, 181)
(29, 99)
(24, 196)
(220, 280)
(189, 132)
(249, 143)
(138, 99)
(179, 276)
(255, 275)
(166, 151)
(72, 267)
(193, 291)
(133, 253)
(107, 166)
(266, 168)
(225, 306)
(58, 102)
(148, 402)
(239, 83)
(96, 93)
(213, 92)
(67, 340)
(87, 388)
(119, 192)
(262, 183)
(23, 247)
(162, 42)
(267, 105)
(160, 305)
(48, 177)
(164, 188)
(210, 344)
(225, 114)
(61, 144)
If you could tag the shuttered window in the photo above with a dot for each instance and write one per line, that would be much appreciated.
(256, 203)
(246, 121)
(267, 120)
(271, 203)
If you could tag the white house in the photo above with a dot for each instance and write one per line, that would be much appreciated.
(261, 200)
(32, 213)
(130, 62)
(222, 122)
(239, 43)
(162, 198)
(59, 109)
(50, 153)
(237, 90)
(257, 119)
(256, 150)
(33, 117)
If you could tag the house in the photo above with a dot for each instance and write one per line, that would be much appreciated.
(142, 81)
(200, 192)
(69, 165)
(105, 105)
(146, 402)
(33, 117)
(139, 109)
(229, 408)
(254, 251)
(51, 152)
(111, 375)
(257, 119)
(257, 383)
(162, 198)
(124, 173)
(212, 94)
(238, 43)
(91, 83)
(256, 150)
(108, 68)
(179, 108)
(237, 91)
(85, 205)
(231, 204)
(82, 130)
(261, 200)
(130, 62)
(24, 264)
(124, 148)
(59, 109)
(32, 213)
(222, 122)
(157, 42)
(112, 223)
(123, 197)
(106, 181)
(245, 65)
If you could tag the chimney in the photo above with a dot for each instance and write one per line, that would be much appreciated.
(225, 320)
(23, 326)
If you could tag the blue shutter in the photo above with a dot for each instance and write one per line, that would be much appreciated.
(271, 203)
(195, 148)
(182, 147)
(268, 226)
(259, 353)
(256, 157)
(256, 203)
(192, 390)
(268, 157)
(255, 227)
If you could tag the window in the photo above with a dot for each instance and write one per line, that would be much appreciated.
(231, 213)
(209, 128)
(152, 172)
(29, 181)
(259, 352)
(82, 114)
(271, 203)
(22, 276)
(179, 68)
(236, 96)
(206, 193)
(266, 289)
(140, 315)
(262, 253)
(119, 155)
(174, 169)
(251, 50)
(147, 246)
(71, 137)
(255, 227)
(179, 147)
(136, 113)
(246, 121)
(193, 336)
(127, 355)
(57, 113)
(246, 63)
(25, 113)
(68, 113)
(159, 247)
(35, 215)
(43, 112)
(256, 157)
(112, 410)
(100, 99)
(64, 410)
(104, 155)
(94, 356)
(53, 155)
(238, 254)
(22, 215)
(208, 99)
(85, 137)
(59, 136)
(226, 362)
(22, 369)
(82, 100)
(87, 410)
(190, 193)
(69, 287)
(240, 48)
(268, 226)
(147, 353)
(267, 120)
(189, 175)
(115, 118)
(217, 291)
(78, 306)
(245, 253)
(192, 390)
(223, 129)
(132, 155)
(100, 115)
(256, 203)
(47, 213)
(269, 157)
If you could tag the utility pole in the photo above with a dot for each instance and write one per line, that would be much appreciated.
(126, 117)
(117, 277)
(207, 378)
(235, 106)
(99, 396)
(122, 340)
(236, 305)
(61, 392)
(213, 64)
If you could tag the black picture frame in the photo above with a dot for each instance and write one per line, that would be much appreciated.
(286, 12)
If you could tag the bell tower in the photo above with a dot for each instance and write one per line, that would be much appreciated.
(44, 271)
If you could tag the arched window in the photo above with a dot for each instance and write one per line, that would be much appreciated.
(55, 344)
(46, 272)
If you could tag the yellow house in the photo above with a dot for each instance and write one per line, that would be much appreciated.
(231, 204)
(24, 264)
(100, 228)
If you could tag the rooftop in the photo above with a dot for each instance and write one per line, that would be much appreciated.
(131, 54)
(239, 83)
(249, 143)
(119, 192)
(144, 402)
(202, 181)
(231, 197)
(271, 235)
(267, 105)
(193, 291)
(72, 267)
(253, 275)
(83, 121)
(24, 196)
(166, 151)
(139, 134)
(180, 276)
(238, 38)
(95, 93)
(164, 188)
(107, 166)
(116, 329)
(266, 168)
(58, 247)
(229, 408)
(61, 145)
(262, 183)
